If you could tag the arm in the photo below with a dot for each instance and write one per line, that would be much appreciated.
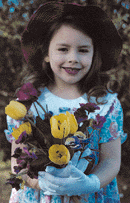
(109, 163)
(29, 182)
(33, 183)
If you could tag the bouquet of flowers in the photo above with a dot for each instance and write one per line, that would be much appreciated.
(49, 141)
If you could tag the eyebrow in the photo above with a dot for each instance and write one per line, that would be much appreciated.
(82, 46)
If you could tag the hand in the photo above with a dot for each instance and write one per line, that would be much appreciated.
(75, 182)
(29, 182)
(44, 184)
(80, 164)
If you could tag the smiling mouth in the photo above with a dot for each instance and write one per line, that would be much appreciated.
(71, 71)
(69, 68)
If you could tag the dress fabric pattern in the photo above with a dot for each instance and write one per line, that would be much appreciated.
(111, 130)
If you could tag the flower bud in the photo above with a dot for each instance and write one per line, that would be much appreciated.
(15, 110)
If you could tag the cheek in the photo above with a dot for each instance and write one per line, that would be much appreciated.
(88, 59)
(55, 57)
(87, 62)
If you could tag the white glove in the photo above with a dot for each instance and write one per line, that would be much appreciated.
(44, 184)
(81, 164)
(71, 182)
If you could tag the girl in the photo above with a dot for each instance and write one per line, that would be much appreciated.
(69, 49)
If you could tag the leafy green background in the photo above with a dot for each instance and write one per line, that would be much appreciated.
(13, 19)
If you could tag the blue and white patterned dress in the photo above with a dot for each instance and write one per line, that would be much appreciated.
(111, 130)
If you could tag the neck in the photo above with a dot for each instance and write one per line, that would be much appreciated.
(65, 91)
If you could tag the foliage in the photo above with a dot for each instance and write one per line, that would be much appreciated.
(13, 19)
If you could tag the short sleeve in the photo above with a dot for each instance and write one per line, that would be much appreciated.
(113, 126)
(11, 123)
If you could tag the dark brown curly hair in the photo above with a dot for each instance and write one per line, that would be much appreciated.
(39, 72)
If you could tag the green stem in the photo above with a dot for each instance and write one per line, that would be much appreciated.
(41, 107)
(36, 128)
(48, 163)
(36, 109)
(40, 149)
(18, 174)
(76, 200)
(46, 108)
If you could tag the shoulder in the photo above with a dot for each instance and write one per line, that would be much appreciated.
(113, 126)
(44, 93)
(111, 103)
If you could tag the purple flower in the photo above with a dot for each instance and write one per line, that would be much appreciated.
(14, 182)
(21, 138)
(23, 156)
(26, 151)
(90, 107)
(22, 163)
(27, 92)
(17, 152)
(80, 115)
(81, 119)
(31, 174)
(33, 156)
(99, 121)
(17, 169)
(30, 155)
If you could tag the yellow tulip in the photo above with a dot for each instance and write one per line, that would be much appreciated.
(73, 123)
(23, 127)
(60, 126)
(59, 154)
(15, 110)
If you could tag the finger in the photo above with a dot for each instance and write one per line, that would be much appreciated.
(82, 165)
(75, 174)
(44, 183)
(50, 169)
(56, 189)
(46, 186)
(61, 191)
(54, 180)
(54, 171)
(63, 172)
(50, 193)
(75, 158)
(41, 173)
(87, 152)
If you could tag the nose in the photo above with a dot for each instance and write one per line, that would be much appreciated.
(73, 57)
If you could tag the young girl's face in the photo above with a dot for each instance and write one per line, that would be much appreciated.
(70, 55)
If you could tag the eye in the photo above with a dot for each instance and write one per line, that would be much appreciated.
(63, 49)
(83, 50)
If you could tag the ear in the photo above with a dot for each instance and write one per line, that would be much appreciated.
(46, 59)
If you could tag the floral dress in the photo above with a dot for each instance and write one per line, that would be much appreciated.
(111, 130)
